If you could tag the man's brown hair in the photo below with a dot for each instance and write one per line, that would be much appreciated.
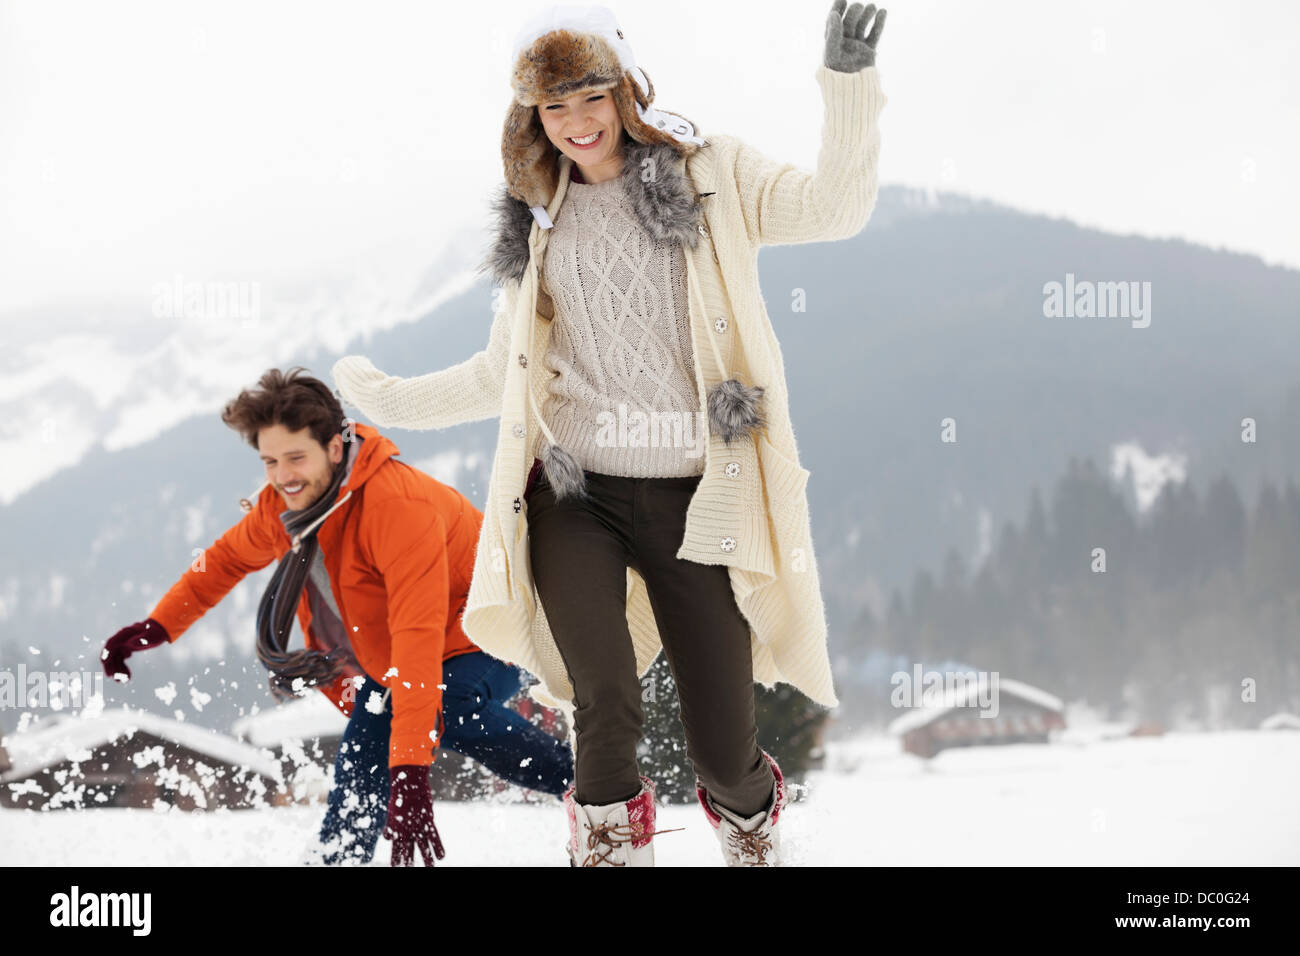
(293, 399)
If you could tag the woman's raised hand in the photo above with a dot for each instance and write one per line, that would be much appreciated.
(849, 47)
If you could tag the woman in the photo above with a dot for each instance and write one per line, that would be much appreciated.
(645, 438)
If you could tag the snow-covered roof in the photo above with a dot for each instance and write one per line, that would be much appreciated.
(1280, 721)
(915, 717)
(1031, 694)
(967, 695)
(307, 718)
(63, 737)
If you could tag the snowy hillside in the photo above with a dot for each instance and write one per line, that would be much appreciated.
(1183, 799)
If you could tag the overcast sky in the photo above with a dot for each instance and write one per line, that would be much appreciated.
(244, 140)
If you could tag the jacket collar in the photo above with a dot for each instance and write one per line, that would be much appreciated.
(374, 451)
(654, 177)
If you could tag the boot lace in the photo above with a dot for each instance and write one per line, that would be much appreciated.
(753, 844)
(611, 836)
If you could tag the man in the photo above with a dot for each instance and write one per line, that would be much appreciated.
(376, 559)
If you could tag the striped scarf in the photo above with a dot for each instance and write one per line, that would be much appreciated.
(291, 672)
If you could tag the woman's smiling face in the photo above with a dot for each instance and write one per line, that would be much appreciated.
(582, 116)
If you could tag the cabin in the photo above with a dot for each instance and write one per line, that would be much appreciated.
(1025, 715)
(131, 758)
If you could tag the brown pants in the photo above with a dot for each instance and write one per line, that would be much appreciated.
(580, 553)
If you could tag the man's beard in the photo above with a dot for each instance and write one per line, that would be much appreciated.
(307, 497)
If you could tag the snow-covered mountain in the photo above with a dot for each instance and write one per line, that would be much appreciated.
(117, 375)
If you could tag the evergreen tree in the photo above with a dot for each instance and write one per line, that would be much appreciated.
(1224, 539)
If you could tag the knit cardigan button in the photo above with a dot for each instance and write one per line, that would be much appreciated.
(728, 544)
(518, 505)
(720, 324)
(733, 469)
(517, 430)
(523, 360)
(704, 231)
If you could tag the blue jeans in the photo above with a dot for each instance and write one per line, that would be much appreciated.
(476, 723)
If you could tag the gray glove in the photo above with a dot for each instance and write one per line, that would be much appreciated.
(847, 49)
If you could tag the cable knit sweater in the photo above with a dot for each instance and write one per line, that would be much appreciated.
(622, 400)
(750, 510)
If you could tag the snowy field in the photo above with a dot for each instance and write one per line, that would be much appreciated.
(1225, 798)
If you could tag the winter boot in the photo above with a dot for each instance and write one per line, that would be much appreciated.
(612, 834)
(748, 841)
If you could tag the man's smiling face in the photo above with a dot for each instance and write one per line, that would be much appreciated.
(297, 465)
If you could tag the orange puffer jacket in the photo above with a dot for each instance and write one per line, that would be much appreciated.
(399, 553)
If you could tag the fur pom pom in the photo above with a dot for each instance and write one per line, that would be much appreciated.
(734, 409)
(563, 473)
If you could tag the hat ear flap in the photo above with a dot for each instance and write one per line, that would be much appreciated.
(531, 167)
(626, 96)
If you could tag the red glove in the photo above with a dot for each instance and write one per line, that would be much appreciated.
(134, 637)
(410, 816)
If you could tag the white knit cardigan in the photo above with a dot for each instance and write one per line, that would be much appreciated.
(750, 510)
